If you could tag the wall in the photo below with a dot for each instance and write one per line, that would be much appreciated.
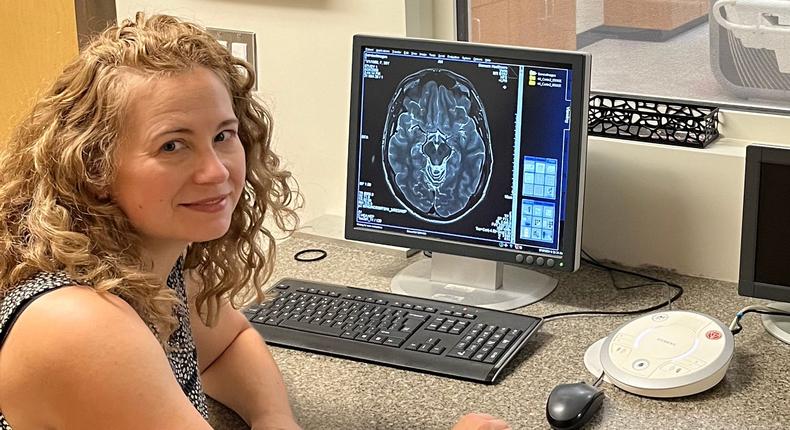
(36, 40)
(589, 14)
(674, 207)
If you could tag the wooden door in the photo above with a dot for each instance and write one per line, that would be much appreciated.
(37, 39)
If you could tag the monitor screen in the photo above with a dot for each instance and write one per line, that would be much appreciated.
(468, 149)
(765, 235)
(765, 254)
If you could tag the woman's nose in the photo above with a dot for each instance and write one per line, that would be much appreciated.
(211, 169)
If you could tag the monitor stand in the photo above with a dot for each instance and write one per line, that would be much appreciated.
(778, 326)
(473, 282)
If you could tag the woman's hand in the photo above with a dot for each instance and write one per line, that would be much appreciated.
(282, 425)
(480, 422)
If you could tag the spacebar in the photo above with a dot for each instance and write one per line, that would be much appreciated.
(313, 328)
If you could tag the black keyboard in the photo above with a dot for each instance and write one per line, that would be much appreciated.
(423, 335)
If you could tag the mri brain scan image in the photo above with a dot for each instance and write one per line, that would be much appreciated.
(437, 152)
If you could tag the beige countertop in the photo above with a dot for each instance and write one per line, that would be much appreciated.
(333, 393)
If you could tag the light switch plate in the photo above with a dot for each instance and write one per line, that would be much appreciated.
(241, 44)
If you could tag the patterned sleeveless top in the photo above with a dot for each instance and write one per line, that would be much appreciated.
(182, 355)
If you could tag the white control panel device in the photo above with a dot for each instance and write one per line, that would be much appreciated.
(667, 354)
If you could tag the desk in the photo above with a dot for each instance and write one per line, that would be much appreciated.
(332, 393)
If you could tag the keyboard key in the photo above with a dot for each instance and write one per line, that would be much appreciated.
(460, 354)
(431, 341)
(393, 334)
(393, 341)
(298, 325)
(412, 346)
(479, 356)
(437, 350)
(494, 356)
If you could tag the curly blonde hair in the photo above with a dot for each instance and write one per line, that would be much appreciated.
(57, 167)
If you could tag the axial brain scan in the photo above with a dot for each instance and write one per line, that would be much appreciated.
(437, 146)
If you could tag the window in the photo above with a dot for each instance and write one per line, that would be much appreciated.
(733, 53)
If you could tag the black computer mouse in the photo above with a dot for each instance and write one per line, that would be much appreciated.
(570, 406)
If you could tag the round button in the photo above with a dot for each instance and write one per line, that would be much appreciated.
(550, 262)
(539, 261)
(641, 364)
(530, 259)
(519, 258)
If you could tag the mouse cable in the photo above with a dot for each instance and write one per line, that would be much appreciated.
(598, 381)
(735, 326)
(654, 281)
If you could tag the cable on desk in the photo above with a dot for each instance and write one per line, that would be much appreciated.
(735, 326)
(654, 281)
(598, 381)
(301, 255)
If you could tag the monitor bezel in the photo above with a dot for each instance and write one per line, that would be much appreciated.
(756, 156)
(571, 242)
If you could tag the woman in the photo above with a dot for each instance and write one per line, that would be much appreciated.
(132, 205)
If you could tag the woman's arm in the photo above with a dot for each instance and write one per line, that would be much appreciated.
(238, 371)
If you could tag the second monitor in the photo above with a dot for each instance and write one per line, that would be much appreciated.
(475, 153)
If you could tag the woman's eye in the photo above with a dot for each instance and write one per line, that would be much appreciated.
(170, 146)
(223, 136)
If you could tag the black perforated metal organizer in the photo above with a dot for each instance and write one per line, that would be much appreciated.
(651, 121)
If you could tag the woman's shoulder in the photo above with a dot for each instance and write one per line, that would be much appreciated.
(72, 337)
(75, 316)
(78, 358)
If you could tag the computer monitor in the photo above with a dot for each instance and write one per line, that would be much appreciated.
(765, 233)
(475, 153)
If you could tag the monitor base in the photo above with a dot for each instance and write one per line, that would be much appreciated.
(520, 287)
(778, 326)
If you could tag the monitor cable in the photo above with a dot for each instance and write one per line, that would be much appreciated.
(589, 259)
(735, 326)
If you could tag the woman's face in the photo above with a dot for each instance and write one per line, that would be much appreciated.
(181, 165)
